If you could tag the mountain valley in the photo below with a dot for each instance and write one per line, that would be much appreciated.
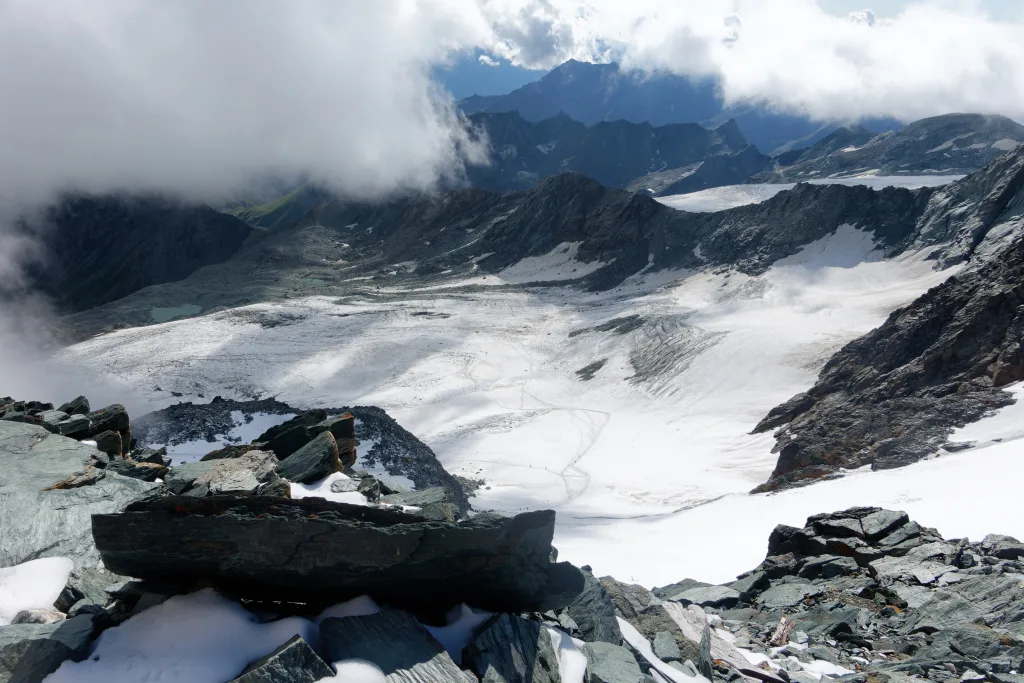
(690, 350)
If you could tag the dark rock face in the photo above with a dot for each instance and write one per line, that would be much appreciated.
(894, 395)
(312, 462)
(76, 406)
(510, 649)
(594, 613)
(314, 550)
(31, 652)
(723, 169)
(395, 643)
(293, 662)
(603, 92)
(975, 217)
(951, 144)
(613, 153)
(103, 248)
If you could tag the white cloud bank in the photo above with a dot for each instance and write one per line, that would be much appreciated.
(196, 97)
(933, 57)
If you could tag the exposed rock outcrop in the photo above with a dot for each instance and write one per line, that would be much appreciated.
(314, 550)
(395, 644)
(893, 396)
(613, 153)
(39, 516)
(391, 448)
(293, 662)
(30, 652)
(871, 591)
(949, 144)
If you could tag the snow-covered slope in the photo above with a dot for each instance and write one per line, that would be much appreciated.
(729, 196)
(682, 366)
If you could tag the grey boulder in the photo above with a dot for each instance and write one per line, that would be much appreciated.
(76, 406)
(52, 523)
(293, 662)
(395, 643)
(721, 597)
(786, 595)
(607, 663)
(594, 613)
(513, 650)
(312, 462)
(31, 652)
(242, 474)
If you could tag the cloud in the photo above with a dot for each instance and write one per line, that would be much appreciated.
(933, 57)
(195, 97)
(199, 97)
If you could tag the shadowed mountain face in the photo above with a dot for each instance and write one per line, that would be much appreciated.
(98, 249)
(337, 246)
(894, 396)
(949, 144)
(613, 153)
(603, 92)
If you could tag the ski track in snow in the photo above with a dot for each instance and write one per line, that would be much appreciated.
(638, 465)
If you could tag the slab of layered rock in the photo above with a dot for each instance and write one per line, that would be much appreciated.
(391, 640)
(48, 495)
(313, 550)
(510, 649)
(293, 662)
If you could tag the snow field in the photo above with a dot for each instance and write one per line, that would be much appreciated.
(653, 456)
(729, 196)
(32, 585)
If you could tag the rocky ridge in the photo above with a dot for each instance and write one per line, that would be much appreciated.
(468, 233)
(950, 144)
(385, 446)
(614, 153)
(605, 92)
(894, 396)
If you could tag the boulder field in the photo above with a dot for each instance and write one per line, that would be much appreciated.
(359, 577)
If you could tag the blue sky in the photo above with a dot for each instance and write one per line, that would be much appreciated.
(1000, 9)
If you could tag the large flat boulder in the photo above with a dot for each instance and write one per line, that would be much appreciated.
(314, 550)
(37, 522)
